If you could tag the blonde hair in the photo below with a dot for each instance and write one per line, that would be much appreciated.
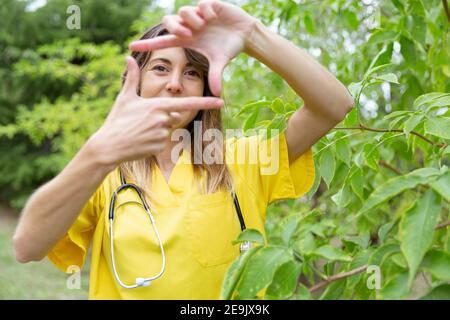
(216, 176)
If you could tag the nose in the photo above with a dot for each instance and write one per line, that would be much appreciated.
(174, 84)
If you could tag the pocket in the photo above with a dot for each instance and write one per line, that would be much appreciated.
(212, 224)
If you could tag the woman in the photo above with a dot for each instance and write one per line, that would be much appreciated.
(169, 90)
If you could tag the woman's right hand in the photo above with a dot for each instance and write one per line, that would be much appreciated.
(139, 127)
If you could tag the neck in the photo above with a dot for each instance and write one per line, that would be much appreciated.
(164, 158)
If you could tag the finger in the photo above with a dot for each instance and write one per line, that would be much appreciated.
(155, 148)
(189, 103)
(191, 18)
(175, 118)
(173, 25)
(215, 76)
(207, 11)
(132, 79)
(160, 42)
(159, 134)
(167, 119)
(160, 120)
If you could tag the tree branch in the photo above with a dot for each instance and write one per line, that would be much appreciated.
(447, 11)
(350, 273)
(363, 127)
(337, 277)
(442, 225)
(390, 167)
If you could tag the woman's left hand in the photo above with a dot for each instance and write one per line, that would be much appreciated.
(216, 29)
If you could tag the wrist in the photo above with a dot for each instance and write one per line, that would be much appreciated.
(96, 154)
(255, 39)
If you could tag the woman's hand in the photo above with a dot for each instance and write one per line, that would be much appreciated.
(139, 127)
(216, 29)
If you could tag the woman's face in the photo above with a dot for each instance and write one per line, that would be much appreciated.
(169, 74)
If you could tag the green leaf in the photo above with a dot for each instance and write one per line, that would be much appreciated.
(343, 150)
(252, 106)
(277, 106)
(437, 263)
(398, 4)
(442, 101)
(397, 185)
(332, 253)
(288, 226)
(327, 166)
(417, 228)
(362, 240)
(408, 51)
(376, 68)
(427, 98)
(371, 155)
(382, 36)
(343, 196)
(439, 127)
(357, 183)
(352, 118)
(383, 252)
(251, 235)
(442, 186)
(446, 150)
(334, 291)
(234, 273)
(278, 123)
(418, 28)
(309, 23)
(396, 114)
(284, 281)
(259, 271)
(250, 121)
(317, 181)
(385, 55)
(355, 88)
(306, 244)
(388, 77)
(351, 19)
(396, 288)
(441, 292)
(384, 230)
(303, 293)
(412, 123)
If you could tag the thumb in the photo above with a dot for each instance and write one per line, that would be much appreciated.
(132, 77)
(215, 76)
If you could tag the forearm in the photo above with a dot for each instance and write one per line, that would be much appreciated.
(320, 90)
(54, 207)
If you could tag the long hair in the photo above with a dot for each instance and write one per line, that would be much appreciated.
(214, 177)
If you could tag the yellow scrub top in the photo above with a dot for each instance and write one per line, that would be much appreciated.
(196, 229)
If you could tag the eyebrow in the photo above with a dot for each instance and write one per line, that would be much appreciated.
(167, 61)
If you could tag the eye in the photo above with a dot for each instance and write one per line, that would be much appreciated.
(193, 73)
(159, 68)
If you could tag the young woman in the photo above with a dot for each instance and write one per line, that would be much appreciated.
(162, 218)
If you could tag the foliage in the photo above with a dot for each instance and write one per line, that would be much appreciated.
(381, 195)
(382, 190)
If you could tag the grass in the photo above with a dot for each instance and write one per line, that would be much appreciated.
(35, 280)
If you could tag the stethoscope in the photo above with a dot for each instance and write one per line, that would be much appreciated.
(145, 282)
